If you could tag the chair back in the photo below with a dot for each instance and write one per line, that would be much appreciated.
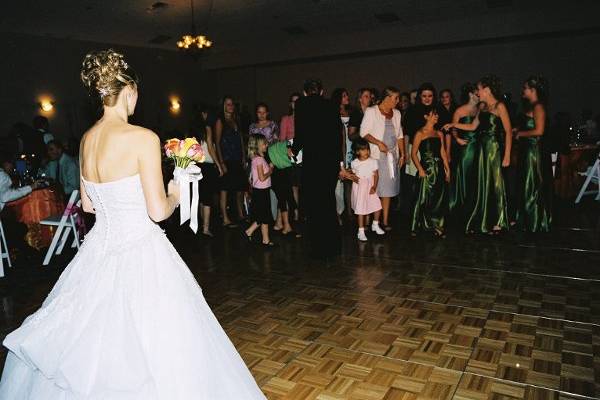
(71, 204)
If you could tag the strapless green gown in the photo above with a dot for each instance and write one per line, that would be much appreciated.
(464, 179)
(490, 208)
(431, 204)
(534, 211)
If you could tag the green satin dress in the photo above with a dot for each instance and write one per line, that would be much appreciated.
(464, 179)
(431, 205)
(533, 212)
(490, 208)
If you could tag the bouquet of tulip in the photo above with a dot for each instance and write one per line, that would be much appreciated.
(185, 154)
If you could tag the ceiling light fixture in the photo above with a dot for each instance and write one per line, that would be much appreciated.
(192, 41)
(175, 105)
(46, 105)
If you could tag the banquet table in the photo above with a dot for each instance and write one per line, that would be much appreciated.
(568, 183)
(31, 209)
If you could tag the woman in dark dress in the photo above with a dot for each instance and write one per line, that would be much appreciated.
(490, 213)
(211, 167)
(344, 188)
(413, 120)
(434, 172)
(445, 109)
(230, 149)
(464, 173)
(534, 212)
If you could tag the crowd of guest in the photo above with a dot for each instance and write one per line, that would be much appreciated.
(477, 163)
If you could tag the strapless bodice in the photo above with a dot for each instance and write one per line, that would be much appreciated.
(121, 213)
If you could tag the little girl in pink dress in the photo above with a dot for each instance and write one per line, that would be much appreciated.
(364, 193)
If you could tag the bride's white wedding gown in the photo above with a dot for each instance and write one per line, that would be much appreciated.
(125, 321)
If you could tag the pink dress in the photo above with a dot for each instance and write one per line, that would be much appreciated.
(286, 128)
(363, 202)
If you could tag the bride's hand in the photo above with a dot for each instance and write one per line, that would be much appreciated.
(173, 190)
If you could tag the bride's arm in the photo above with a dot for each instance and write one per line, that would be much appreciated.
(86, 203)
(160, 205)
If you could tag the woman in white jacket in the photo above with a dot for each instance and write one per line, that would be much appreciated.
(382, 128)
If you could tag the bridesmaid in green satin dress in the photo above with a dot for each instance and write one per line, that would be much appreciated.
(464, 177)
(434, 172)
(494, 132)
(534, 210)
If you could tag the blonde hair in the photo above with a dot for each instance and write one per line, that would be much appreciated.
(105, 73)
(255, 140)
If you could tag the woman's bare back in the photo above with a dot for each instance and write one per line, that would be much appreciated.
(109, 151)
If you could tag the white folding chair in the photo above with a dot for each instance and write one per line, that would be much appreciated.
(64, 224)
(3, 251)
(592, 176)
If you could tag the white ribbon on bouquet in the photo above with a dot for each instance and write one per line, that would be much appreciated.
(188, 210)
(391, 164)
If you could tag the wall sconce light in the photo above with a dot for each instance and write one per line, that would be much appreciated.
(175, 105)
(46, 105)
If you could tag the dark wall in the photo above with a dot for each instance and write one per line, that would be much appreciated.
(37, 67)
(565, 60)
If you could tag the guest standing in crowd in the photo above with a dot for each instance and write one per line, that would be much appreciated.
(413, 97)
(534, 212)
(434, 172)
(406, 180)
(62, 168)
(26, 140)
(364, 192)
(381, 127)
(229, 141)
(415, 119)
(374, 96)
(264, 125)
(260, 206)
(363, 101)
(445, 110)
(41, 124)
(424, 98)
(404, 104)
(490, 214)
(211, 167)
(356, 115)
(318, 132)
(464, 178)
(286, 133)
(343, 188)
(282, 186)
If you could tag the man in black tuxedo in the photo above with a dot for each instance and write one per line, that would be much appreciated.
(318, 133)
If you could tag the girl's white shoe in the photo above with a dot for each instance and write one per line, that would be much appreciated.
(361, 235)
(377, 229)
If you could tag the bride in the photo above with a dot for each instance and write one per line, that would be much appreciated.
(126, 320)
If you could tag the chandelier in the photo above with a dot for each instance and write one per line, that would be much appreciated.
(192, 41)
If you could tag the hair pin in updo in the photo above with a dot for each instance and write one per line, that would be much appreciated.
(103, 92)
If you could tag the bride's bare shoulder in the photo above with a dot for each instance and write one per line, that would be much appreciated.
(143, 136)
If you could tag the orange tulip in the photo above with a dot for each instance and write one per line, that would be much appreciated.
(171, 147)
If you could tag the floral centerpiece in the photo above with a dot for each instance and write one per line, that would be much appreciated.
(185, 153)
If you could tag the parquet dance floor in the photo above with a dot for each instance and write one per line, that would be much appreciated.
(514, 317)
